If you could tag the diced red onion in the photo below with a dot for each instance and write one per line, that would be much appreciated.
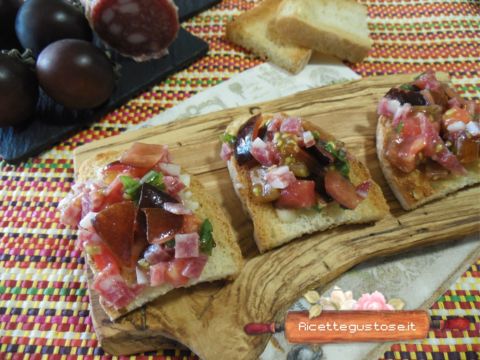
(456, 126)
(308, 139)
(176, 208)
(473, 128)
(170, 169)
(363, 188)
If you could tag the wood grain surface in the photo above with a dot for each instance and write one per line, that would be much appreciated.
(209, 318)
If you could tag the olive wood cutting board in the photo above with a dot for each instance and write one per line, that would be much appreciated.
(209, 318)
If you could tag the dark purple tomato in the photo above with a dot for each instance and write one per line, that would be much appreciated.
(8, 11)
(75, 74)
(18, 91)
(41, 22)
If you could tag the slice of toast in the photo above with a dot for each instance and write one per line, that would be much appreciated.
(226, 259)
(335, 27)
(253, 30)
(415, 188)
(271, 229)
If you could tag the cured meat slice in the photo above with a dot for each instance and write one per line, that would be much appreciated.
(161, 225)
(140, 29)
(115, 226)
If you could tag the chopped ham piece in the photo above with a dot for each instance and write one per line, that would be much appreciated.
(280, 177)
(292, 125)
(113, 288)
(265, 154)
(173, 184)
(144, 155)
(71, 209)
(187, 245)
(158, 274)
(156, 253)
(176, 208)
(194, 267)
(226, 152)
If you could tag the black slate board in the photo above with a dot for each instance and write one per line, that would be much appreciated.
(52, 122)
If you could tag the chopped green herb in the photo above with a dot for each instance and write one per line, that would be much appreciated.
(340, 155)
(317, 208)
(419, 76)
(170, 244)
(316, 135)
(399, 127)
(228, 138)
(130, 186)
(408, 87)
(153, 178)
(206, 239)
(343, 168)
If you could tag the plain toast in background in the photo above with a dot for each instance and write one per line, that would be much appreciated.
(255, 31)
(335, 27)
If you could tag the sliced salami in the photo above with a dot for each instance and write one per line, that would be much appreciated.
(140, 29)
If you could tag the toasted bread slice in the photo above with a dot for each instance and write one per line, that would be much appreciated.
(273, 227)
(224, 263)
(335, 27)
(415, 188)
(253, 30)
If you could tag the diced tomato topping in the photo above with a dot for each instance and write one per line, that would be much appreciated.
(341, 189)
(403, 154)
(173, 184)
(145, 155)
(454, 115)
(115, 225)
(104, 258)
(299, 194)
(174, 275)
(187, 245)
(191, 224)
(113, 288)
(158, 273)
(195, 266)
(410, 127)
(467, 148)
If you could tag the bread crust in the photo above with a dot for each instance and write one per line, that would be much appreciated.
(253, 30)
(270, 231)
(224, 263)
(415, 188)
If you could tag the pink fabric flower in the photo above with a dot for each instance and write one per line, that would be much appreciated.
(373, 301)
